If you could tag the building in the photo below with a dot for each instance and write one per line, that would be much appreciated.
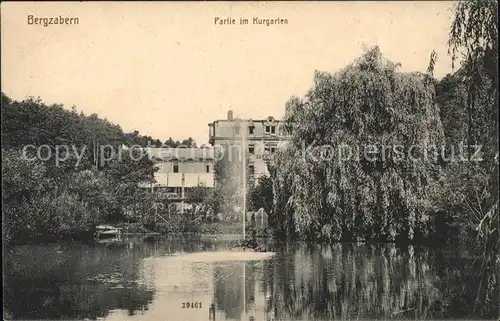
(180, 170)
(259, 138)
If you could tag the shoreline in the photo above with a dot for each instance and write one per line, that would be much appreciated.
(197, 236)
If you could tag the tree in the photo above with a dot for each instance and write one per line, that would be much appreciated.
(188, 143)
(261, 196)
(474, 35)
(367, 105)
(227, 176)
(171, 143)
(199, 194)
(46, 200)
(22, 187)
(38, 208)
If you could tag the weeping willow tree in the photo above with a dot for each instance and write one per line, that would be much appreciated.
(357, 165)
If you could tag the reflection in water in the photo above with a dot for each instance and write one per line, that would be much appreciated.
(151, 281)
(53, 282)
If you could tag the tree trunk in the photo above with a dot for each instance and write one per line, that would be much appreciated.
(470, 107)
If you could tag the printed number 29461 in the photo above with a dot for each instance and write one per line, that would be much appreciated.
(194, 305)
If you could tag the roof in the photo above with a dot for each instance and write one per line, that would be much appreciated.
(249, 120)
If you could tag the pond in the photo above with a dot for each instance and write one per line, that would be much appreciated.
(156, 280)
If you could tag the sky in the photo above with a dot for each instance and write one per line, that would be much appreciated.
(167, 69)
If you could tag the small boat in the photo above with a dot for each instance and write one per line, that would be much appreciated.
(108, 232)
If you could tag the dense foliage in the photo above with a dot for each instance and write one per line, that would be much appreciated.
(376, 154)
(365, 107)
(227, 197)
(261, 195)
(442, 181)
(31, 121)
(64, 189)
(474, 36)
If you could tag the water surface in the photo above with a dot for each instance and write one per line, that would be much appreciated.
(139, 280)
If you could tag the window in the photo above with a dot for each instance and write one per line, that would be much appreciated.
(236, 130)
(176, 168)
(250, 129)
(251, 170)
(251, 149)
(208, 168)
(273, 129)
(270, 149)
(268, 129)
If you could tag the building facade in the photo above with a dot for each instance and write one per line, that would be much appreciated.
(258, 140)
(180, 170)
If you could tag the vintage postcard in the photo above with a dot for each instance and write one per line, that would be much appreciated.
(189, 161)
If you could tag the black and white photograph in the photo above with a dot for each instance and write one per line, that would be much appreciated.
(250, 161)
